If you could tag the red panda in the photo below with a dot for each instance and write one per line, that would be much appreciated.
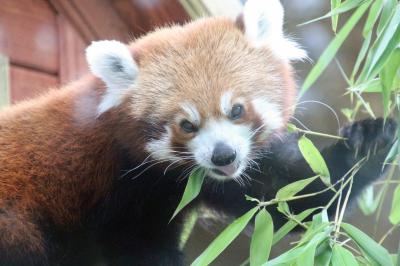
(94, 167)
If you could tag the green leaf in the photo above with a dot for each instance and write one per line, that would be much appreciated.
(373, 15)
(388, 9)
(368, 202)
(291, 128)
(308, 256)
(342, 8)
(348, 113)
(283, 207)
(394, 216)
(394, 150)
(293, 188)
(247, 197)
(224, 239)
(373, 85)
(335, 18)
(333, 47)
(375, 251)
(314, 159)
(261, 241)
(324, 256)
(192, 190)
(388, 76)
(303, 255)
(342, 257)
(383, 47)
(361, 55)
(319, 223)
(394, 259)
(291, 224)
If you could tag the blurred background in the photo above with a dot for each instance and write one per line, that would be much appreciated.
(42, 45)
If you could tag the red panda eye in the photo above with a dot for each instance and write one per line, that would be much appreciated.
(187, 126)
(236, 112)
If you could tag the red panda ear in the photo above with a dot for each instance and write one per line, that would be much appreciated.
(262, 23)
(112, 62)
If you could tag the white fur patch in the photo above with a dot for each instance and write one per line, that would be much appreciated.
(270, 114)
(160, 149)
(223, 130)
(226, 102)
(191, 111)
(112, 62)
(263, 20)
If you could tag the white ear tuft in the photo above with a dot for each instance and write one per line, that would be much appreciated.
(112, 62)
(263, 22)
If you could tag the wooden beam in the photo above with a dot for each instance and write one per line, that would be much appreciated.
(4, 81)
(143, 15)
(72, 56)
(94, 19)
(28, 34)
(26, 83)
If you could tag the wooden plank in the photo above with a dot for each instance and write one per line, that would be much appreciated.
(68, 10)
(94, 19)
(72, 52)
(105, 21)
(36, 9)
(28, 83)
(28, 34)
(4, 81)
(142, 16)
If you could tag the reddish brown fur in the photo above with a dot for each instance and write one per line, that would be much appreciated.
(172, 64)
(55, 160)
(56, 157)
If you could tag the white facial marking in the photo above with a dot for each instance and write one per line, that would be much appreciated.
(192, 112)
(226, 103)
(233, 135)
(160, 149)
(263, 20)
(112, 62)
(270, 114)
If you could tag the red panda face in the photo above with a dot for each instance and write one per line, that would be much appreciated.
(218, 92)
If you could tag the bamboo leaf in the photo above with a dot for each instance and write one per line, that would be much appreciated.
(291, 224)
(320, 222)
(283, 207)
(192, 190)
(373, 15)
(293, 188)
(394, 150)
(361, 55)
(375, 251)
(388, 9)
(388, 76)
(224, 239)
(383, 47)
(324, 256)
(314, 159)
(335, 18)
(303, 255)
(333, 47)
(394, 216)
(291, 128)
(373, 85)
(368, 202)
(261, 241)
(342, 257)
(342, 8)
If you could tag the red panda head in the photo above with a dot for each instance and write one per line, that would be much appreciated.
(215, 88)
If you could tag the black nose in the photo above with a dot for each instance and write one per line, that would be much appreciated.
(223, 154)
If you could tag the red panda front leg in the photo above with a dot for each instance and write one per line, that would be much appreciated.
(21, 242)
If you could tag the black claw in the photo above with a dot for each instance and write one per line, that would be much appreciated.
(369, 136)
